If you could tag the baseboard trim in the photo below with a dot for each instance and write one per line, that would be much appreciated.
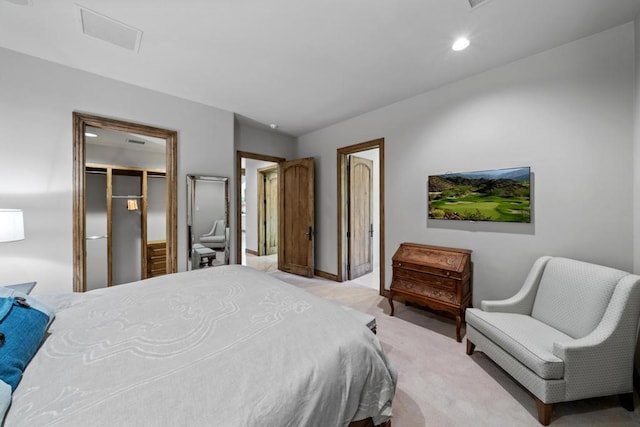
(251, 251)
(325, 275)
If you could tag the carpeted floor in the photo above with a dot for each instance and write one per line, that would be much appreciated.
(439, 385)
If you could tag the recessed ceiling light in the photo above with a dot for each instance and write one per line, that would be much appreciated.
(90, 135)
(273, 126)
(460, 44)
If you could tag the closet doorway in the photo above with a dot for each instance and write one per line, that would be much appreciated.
(124, 202)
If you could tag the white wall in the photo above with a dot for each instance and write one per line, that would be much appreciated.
(566, 112)
(37, 101)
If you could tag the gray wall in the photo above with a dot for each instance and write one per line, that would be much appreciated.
(566, 112)
(264, 141)
(126, 228)
(636, 152)
(208, 205)
(636, 165)
(38, 98)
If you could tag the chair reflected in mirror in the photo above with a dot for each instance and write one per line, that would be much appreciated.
(216, 237)
(207, 221)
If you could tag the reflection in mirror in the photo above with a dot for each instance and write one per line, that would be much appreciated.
(207, 221)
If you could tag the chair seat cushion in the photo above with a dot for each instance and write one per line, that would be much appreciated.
(525, 338)
(212, 239)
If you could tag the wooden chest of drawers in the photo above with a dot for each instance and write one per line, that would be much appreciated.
(436, 277)
(156, 258)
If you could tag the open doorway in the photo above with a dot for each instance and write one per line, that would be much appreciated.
(257, 196)
(361, 214)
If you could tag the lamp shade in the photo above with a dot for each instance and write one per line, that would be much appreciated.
(11, 225)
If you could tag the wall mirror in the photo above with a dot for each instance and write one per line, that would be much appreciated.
(124, 193)
(207, 221)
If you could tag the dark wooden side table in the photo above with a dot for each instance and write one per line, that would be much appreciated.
(436, 277)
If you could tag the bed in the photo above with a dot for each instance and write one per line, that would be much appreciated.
(223, 346)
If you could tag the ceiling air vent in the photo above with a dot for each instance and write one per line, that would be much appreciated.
(109, 30)
(136, 141)
(21, 2)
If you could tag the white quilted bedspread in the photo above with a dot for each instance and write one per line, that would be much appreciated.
(224, 346)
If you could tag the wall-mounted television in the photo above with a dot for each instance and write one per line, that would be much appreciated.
(502, 195)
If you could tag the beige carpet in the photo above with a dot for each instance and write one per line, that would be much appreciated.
(439, 385)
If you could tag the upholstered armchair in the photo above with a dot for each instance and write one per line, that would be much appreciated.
(217, 237)
(569, 333)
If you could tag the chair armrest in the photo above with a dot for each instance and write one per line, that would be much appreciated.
(212, 231)
(521, 302)
(604, 358)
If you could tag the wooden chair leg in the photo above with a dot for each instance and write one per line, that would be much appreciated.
(626, 401)
(544, 412)
(470, 347)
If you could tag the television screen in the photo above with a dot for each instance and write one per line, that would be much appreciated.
(502, 195)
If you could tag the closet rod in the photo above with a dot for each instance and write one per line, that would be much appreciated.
(126, 197)
(96, 237)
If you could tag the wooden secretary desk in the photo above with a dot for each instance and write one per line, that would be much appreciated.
(433, 276)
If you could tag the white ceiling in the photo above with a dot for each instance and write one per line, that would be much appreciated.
(299, 63)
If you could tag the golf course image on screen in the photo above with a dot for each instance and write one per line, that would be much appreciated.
(493, 195)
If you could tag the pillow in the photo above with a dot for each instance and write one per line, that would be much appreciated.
(25, 288)
(23, 323)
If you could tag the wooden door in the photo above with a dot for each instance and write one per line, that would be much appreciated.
(296, 216)
(360, 222)
(268, 210)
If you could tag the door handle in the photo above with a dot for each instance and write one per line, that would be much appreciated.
(310, 233)
(370, 230)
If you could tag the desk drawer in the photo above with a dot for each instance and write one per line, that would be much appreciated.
(431, 292)
(427, 279)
